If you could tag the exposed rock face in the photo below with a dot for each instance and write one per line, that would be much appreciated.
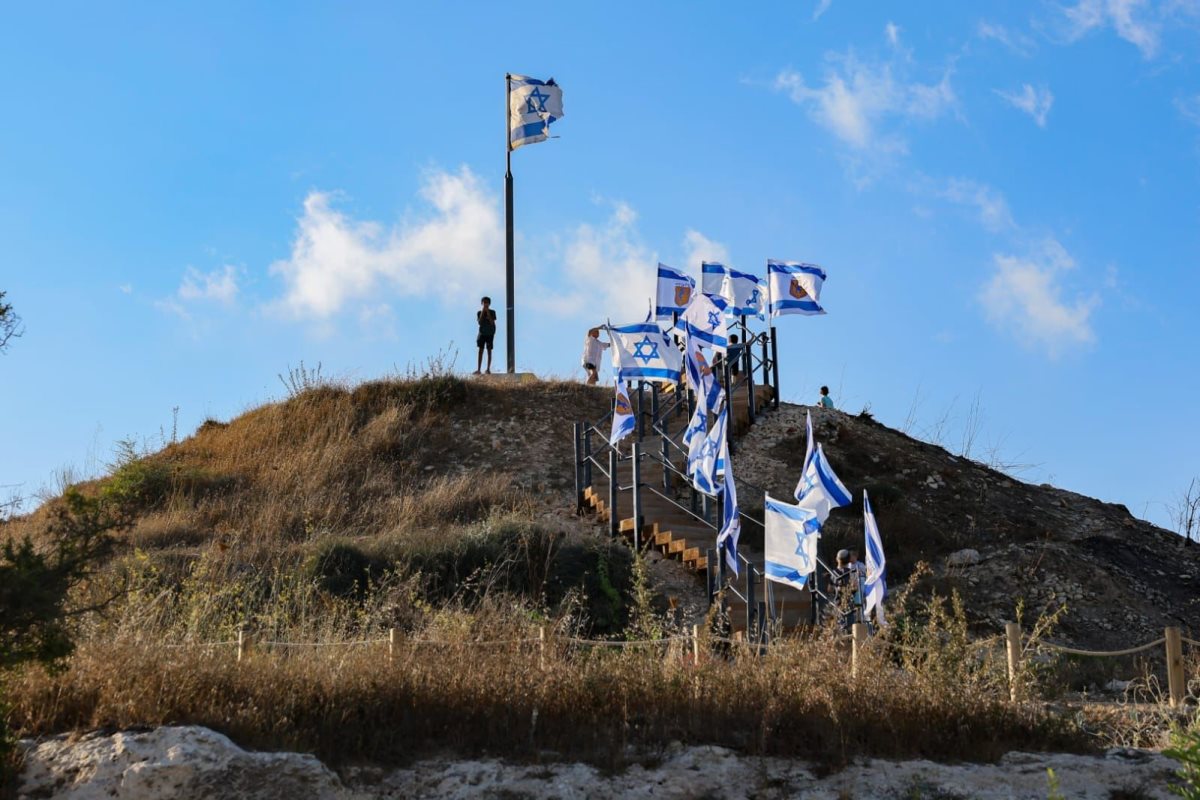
(192, 762)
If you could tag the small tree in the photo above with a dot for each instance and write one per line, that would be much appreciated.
(1185, 512)
(10, 324)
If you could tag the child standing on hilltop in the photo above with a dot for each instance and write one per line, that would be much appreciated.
(826, 401)
(486, 318)
(592, 348)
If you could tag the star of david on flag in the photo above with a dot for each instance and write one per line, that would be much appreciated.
(704, 321)
(645, 350)
(789, 542)
(875, 586)
(532, 106)
(820, 490)
(731, 522)
(794, 288)
(642, 351)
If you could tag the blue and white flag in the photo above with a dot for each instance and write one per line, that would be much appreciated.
(642, 351)
(675, 290)
(808, 444)
(532, 106)
(701, 378)
(705, 454)
(744, 293)
(731, 522)
(875, 586)
(819, 489)
(704, 321)
(712, 277)
(789, 542)
(623, 421)
(794, 288)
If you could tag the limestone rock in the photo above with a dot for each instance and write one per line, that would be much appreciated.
(963, 558)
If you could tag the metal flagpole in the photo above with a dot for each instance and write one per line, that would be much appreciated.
(510, 299)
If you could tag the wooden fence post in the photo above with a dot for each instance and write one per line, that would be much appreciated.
(858, 634)
(695, 645)
(542, 647)
(1175, 677)
(1012, 633)
(241, 644)
(391, 644)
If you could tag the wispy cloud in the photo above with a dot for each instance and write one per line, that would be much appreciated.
(1189, 107)
(821, 8)
(892, 32)
(1020, 43)
(1024, 297)
(219, 285)
(1034, 102)
(449, 249)
(988, 203)
(699, 247)
(1134, 21)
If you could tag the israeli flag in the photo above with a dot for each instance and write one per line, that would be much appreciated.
(704, 321)
(794, 288)
(532, 106)
(789, 542)
(808, 444)
(819, 489)
(642, 351)
(712, 277)
(744, 293)
(623, 421)
(675, 290)
(875, 586)
(731, 522)
(701, 378)
(702, 468)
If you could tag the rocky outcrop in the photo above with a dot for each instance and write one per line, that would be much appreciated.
(177, 762)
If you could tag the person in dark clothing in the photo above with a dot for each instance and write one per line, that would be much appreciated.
(486, 318)
(734, 355)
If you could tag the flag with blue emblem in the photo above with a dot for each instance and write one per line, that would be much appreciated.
(675, 290)
(532, 106)
(744, 293)
(705, 454)
(623, 420)
(875, 586)
(704, 322)
(819, 489)
(712, 277)
(789, 542)
(731, 522)
(643, 352)
(794, 288)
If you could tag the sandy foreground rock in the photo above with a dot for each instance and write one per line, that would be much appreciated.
(194, 762)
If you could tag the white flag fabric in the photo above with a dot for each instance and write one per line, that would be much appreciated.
(789, 542)
(701, 378)
(819, 489)
(808, 445)
(743, 292)
(712, 277)
(702, 468)
(794, 288)
(532, 106)
(674, 292)
(731, 522)
(875, 586)
(623, 421)
(642, 351)
(704, 321)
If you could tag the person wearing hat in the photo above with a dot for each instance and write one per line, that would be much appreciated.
(845, 587)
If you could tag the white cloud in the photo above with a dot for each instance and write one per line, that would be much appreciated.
(857, 99)
(452, 248)
(822, 7)
(892, 31)
(990, 204)
(1189, 107)
(700, 248)
(1019, 43)
(126, 288)
(1128, 18)
(1024, 298)
(1034, 102)
(220, 285)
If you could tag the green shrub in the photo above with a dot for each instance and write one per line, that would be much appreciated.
(343, 570)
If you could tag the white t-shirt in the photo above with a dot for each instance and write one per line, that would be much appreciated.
(592, 349)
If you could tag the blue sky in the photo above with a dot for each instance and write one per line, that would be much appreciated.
(1004, 197)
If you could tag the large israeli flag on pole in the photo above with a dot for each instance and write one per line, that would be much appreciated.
(623, 421)
(731, 522)
(675, 290)
(704, 322)
(712, 277)
(789, 542)
(643, 352)
(819, 489)
(744, 293)
(532, 106)
(794, 288)
(875, 588)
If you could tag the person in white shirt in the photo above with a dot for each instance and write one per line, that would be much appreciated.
(592, 348)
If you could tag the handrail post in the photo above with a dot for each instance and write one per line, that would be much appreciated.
(775, 365)
(764, 635)
(766, 359)
(751, 604)
(641, 426)
(1012, 635)
(637, 497)
(578, 472)
(1175, 678)
(747, 357)
(587, 455)
(710, 574)
(814, 613)
(729, 422)
(614, 519)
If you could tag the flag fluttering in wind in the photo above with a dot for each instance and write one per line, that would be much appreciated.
(819, 489)
(875, 588)
(703, 322)
(701, 378)
(623, 421)
(704, 455)
(743, 292)
(532, 106)
(642, 351)
(789, 542)
(731, 522)
(794, 288)
(675, 290)
(712, 277)
(808, 445)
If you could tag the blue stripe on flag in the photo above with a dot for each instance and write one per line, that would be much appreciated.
(803, 305)
(791, 268)
(785, 573)
(791, 512)
(633, 373)
(832, 485)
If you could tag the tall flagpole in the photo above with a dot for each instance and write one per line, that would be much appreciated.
(510, 299)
